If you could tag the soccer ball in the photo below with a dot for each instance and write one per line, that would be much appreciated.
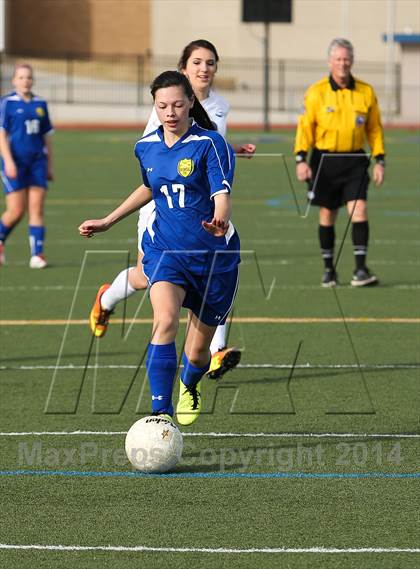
(154, 444)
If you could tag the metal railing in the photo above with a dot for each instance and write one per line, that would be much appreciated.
(125, 80)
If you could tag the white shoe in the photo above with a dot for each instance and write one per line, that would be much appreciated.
(2, 255)
(38, 262)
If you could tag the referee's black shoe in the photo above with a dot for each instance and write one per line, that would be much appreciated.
(363, 277)
(329, 279)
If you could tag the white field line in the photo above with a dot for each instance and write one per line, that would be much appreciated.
(279, 240)
(220, 435)
(241, 320)
(70, 367)
(57, 288)
(292, 262)
(217, 550)
(254, 241)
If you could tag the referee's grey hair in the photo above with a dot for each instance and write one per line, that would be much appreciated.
(341, 42)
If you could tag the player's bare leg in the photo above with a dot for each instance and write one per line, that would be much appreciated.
(15, 210)
(196, 359)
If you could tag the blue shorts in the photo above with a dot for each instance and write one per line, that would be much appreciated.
(31, 172)
(209, 297)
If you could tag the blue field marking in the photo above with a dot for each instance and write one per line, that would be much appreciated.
(261, 475)
(284, 202)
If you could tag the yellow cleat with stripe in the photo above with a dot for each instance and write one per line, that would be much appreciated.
(99, 317)
(222, 361)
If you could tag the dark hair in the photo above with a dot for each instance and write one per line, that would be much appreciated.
(177, 79)
(192, 46)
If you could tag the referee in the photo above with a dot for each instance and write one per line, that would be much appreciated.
(340, 112)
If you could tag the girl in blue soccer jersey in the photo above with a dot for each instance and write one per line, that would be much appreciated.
(198, 61)
(26, 162)
(191, 248)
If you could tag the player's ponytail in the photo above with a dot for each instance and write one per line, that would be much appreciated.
(199, 114)
(176, 79)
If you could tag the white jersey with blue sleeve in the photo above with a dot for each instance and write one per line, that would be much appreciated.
(184, 180)
(26, 123)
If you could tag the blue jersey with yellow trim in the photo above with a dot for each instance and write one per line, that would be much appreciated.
(26, 123)
(184, 180)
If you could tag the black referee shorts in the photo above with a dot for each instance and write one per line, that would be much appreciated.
(337, 180)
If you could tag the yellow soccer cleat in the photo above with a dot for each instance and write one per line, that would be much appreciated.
(223, 361)
(163, 416)
(99, 317)
(189, 404)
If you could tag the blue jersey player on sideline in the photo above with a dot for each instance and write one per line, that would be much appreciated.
(191, 248)
(26, 162)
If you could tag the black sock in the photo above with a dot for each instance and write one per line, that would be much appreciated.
(326, 242)
(360, 236)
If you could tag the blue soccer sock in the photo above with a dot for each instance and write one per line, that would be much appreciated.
(36, 239)
(161, 367)
(191, 375)
(4, 231)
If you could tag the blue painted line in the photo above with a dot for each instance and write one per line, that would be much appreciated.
(282, 202)
(275, 202)
(263, 475)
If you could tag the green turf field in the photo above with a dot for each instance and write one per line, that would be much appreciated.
(315, 467)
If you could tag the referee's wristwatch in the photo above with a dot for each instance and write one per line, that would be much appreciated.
(380, 159)
(300, 157)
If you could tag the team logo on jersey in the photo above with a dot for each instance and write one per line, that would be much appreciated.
(186, 167)
(40, 111)
(330, 109)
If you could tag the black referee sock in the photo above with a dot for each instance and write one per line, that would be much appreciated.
(326, 241)
(360, 236)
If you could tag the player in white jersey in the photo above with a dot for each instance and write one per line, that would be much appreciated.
(198, 62)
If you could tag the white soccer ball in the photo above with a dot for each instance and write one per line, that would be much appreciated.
(154, 444)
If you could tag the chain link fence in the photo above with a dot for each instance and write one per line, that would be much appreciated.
(125, 80)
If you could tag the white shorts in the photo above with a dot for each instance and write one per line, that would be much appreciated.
(146, 216)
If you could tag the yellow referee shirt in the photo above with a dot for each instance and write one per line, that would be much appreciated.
(340, 120)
